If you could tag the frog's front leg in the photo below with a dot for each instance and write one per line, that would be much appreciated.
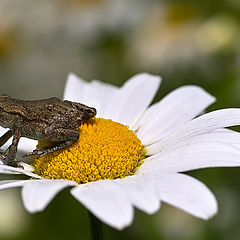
(72, 137)
(9, 156)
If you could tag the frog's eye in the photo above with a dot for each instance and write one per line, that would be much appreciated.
(89, 111)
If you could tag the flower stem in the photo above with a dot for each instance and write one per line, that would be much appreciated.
(96, 227)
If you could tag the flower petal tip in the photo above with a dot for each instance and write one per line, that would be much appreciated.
(213, 211)
(148, 76)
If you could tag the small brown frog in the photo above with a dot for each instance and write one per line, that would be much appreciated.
(46, 119)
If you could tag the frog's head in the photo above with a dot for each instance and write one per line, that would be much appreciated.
(86, 112)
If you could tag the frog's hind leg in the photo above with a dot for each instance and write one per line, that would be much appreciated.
(4, 138)
(43, 151)
(9, 156)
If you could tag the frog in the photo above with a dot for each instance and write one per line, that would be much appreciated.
(48, 119)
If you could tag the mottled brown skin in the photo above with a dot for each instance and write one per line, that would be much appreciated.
(46, 119)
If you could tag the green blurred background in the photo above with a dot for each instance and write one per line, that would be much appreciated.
(186, 42)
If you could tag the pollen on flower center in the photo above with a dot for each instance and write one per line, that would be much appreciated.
(105, 149)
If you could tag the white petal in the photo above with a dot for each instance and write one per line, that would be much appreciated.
(135, 96)
(2, 131)
(171, 112)
(95, 94)
(220, 135)
(107, 201)
(38, 194)
(102, 96)
(214, 120)
(186, 193)
(203, 124)
(141, 193)
(13, 183)
(27, 145)
(75, 89)
(193, 156)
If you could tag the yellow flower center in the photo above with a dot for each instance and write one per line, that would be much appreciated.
(105, 149)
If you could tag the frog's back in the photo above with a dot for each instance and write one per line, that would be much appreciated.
(31, 109)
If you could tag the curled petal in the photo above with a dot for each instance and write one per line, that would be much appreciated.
(5, 169)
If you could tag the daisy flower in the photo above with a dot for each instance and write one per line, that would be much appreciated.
(133, 154)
